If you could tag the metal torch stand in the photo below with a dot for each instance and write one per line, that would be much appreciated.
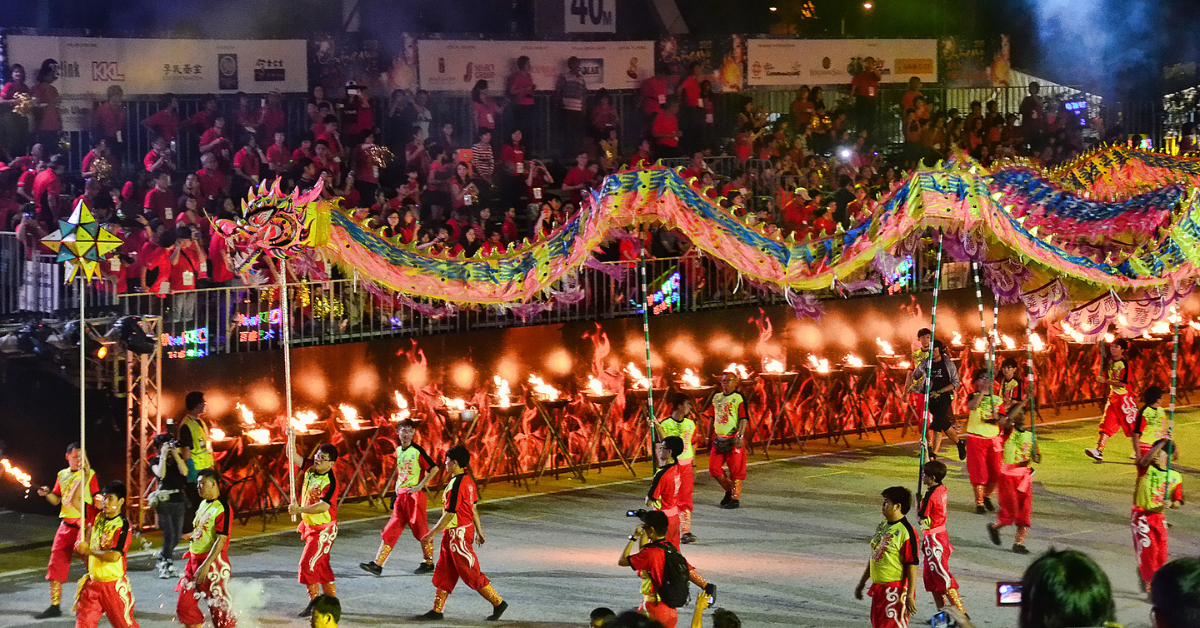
(356, 458)
(779, 389)
(601, 407)
(552, 415)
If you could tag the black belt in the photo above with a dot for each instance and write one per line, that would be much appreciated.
(70, 525)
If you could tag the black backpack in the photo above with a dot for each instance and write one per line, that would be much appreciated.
(673, 590)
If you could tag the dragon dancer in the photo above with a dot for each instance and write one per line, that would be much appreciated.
(318, 523)
(414, 470)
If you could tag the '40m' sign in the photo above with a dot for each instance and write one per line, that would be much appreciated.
(591, 16)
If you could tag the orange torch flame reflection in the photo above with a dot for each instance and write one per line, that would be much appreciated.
(542, 390)
(261, 435)
(885, 347)
(350, 415)
(639, 378)
(503, 392)
(690, 379)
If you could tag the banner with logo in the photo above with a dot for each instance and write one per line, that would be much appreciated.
(89, 65)
(454, 66)
(795, 62)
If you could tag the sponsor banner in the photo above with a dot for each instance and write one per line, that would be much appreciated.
(722, 60)
(794, 62)
(590, 16)
(968, 62)
(89, 65)
(454, 66)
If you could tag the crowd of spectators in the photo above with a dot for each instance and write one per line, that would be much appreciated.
(804, 172)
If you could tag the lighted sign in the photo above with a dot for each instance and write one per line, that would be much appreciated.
(262, 319)
(192, 343)
(666, 298)
(901, 277)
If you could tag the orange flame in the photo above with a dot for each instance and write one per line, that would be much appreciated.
(1194, 325)
(905, 364)
(1035, 341)
(247, 415)
(738, 369)
(885, 347)
(1109, 337)
(350, 415)
(303, 420)
(820, 365)
(542, 390)
(771, 365)
(457, 405)
(690, 379)
(595, 387)
(853, 361)
(261, 435)
(958, 340)
(1070, 331)
(639, 379)
(22, 478)
(1161, 328)
(1009, 343)
(503, 393)
(980, 345)
(216, 433)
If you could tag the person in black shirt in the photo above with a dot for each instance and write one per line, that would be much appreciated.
(169, 500)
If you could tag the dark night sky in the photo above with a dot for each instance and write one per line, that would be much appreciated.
(1098, 42)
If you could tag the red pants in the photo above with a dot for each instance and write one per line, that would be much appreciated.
(213, 589)
(936, 548)
(687, 479)
(1143, 449)
(409, 510)
(314, 561)
(1149, 542)
(983, 459)
(113, 599)
(1016, 498)
(887, 605)
(736, 460)
(1119, 413)
(660, 613)
(458, 561)
(62, 551)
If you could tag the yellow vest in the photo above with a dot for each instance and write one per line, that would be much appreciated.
(684, 430)
(202, 456)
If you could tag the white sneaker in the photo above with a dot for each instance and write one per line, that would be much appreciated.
(171, 571)
(164, 571)
(1095, 454)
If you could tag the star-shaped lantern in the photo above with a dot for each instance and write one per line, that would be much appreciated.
(81, 243)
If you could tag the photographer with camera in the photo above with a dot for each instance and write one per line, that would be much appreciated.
(169, 500)
(664, 571)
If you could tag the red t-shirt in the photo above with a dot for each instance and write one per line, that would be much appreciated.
(908, 100)
(220, 272)
(211, 184)
(45, 184)
(11, 89)
(50, 120)
(509, 230)
(459, 499)
(640, 160)
(150, 159)
(691, 92)
(865, 83)
(515, 157)
(299, 154)
(213, 135)
(364, 170)
(577, 176)
(86, 164)
(666, 124)
(272, 120)
(248, 162)
(485, 114)
(665, 489)
(165, 123)
(109, 119)
(278, 156)
(199, 121)
(186, 270)
(335, 145)
(161, 202)
(651, 562)
(520, 86)
(654, 94)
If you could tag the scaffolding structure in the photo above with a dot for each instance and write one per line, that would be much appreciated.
(143, 419)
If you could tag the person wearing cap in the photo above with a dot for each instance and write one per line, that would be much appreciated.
(459, 527)
(105, 589)
(730, 420)
(414, 470)
(194, 446)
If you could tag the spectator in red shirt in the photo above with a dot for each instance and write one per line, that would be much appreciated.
(245, 118)
(509, 227)
(247, 166)
(654, 91)
(47, 186)
(864, 88)
(578, 179)
(8, 94)
(665, 131)
(485, 107)
(271, 118)
(535, 184)
(305, 150)
(47, 119)
(332, 138)
(188, 265)
(359, 116)
(99, 152)
(212, 181)
(641, 159)
(691, 113)
(650, 563)
(323, 158)
(219, 257)
(494, 244)
(520, 89)
(160, 158)
(165, 123)
(191, 191)
(160, 202)
(214, 141)
(603, 116)
(366, 173)
(203, 120)
(279, 156)
(109, 119)
(696, 168)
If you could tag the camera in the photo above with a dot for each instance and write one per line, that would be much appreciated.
(640, 513)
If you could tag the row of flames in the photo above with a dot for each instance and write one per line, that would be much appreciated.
(543, 391)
